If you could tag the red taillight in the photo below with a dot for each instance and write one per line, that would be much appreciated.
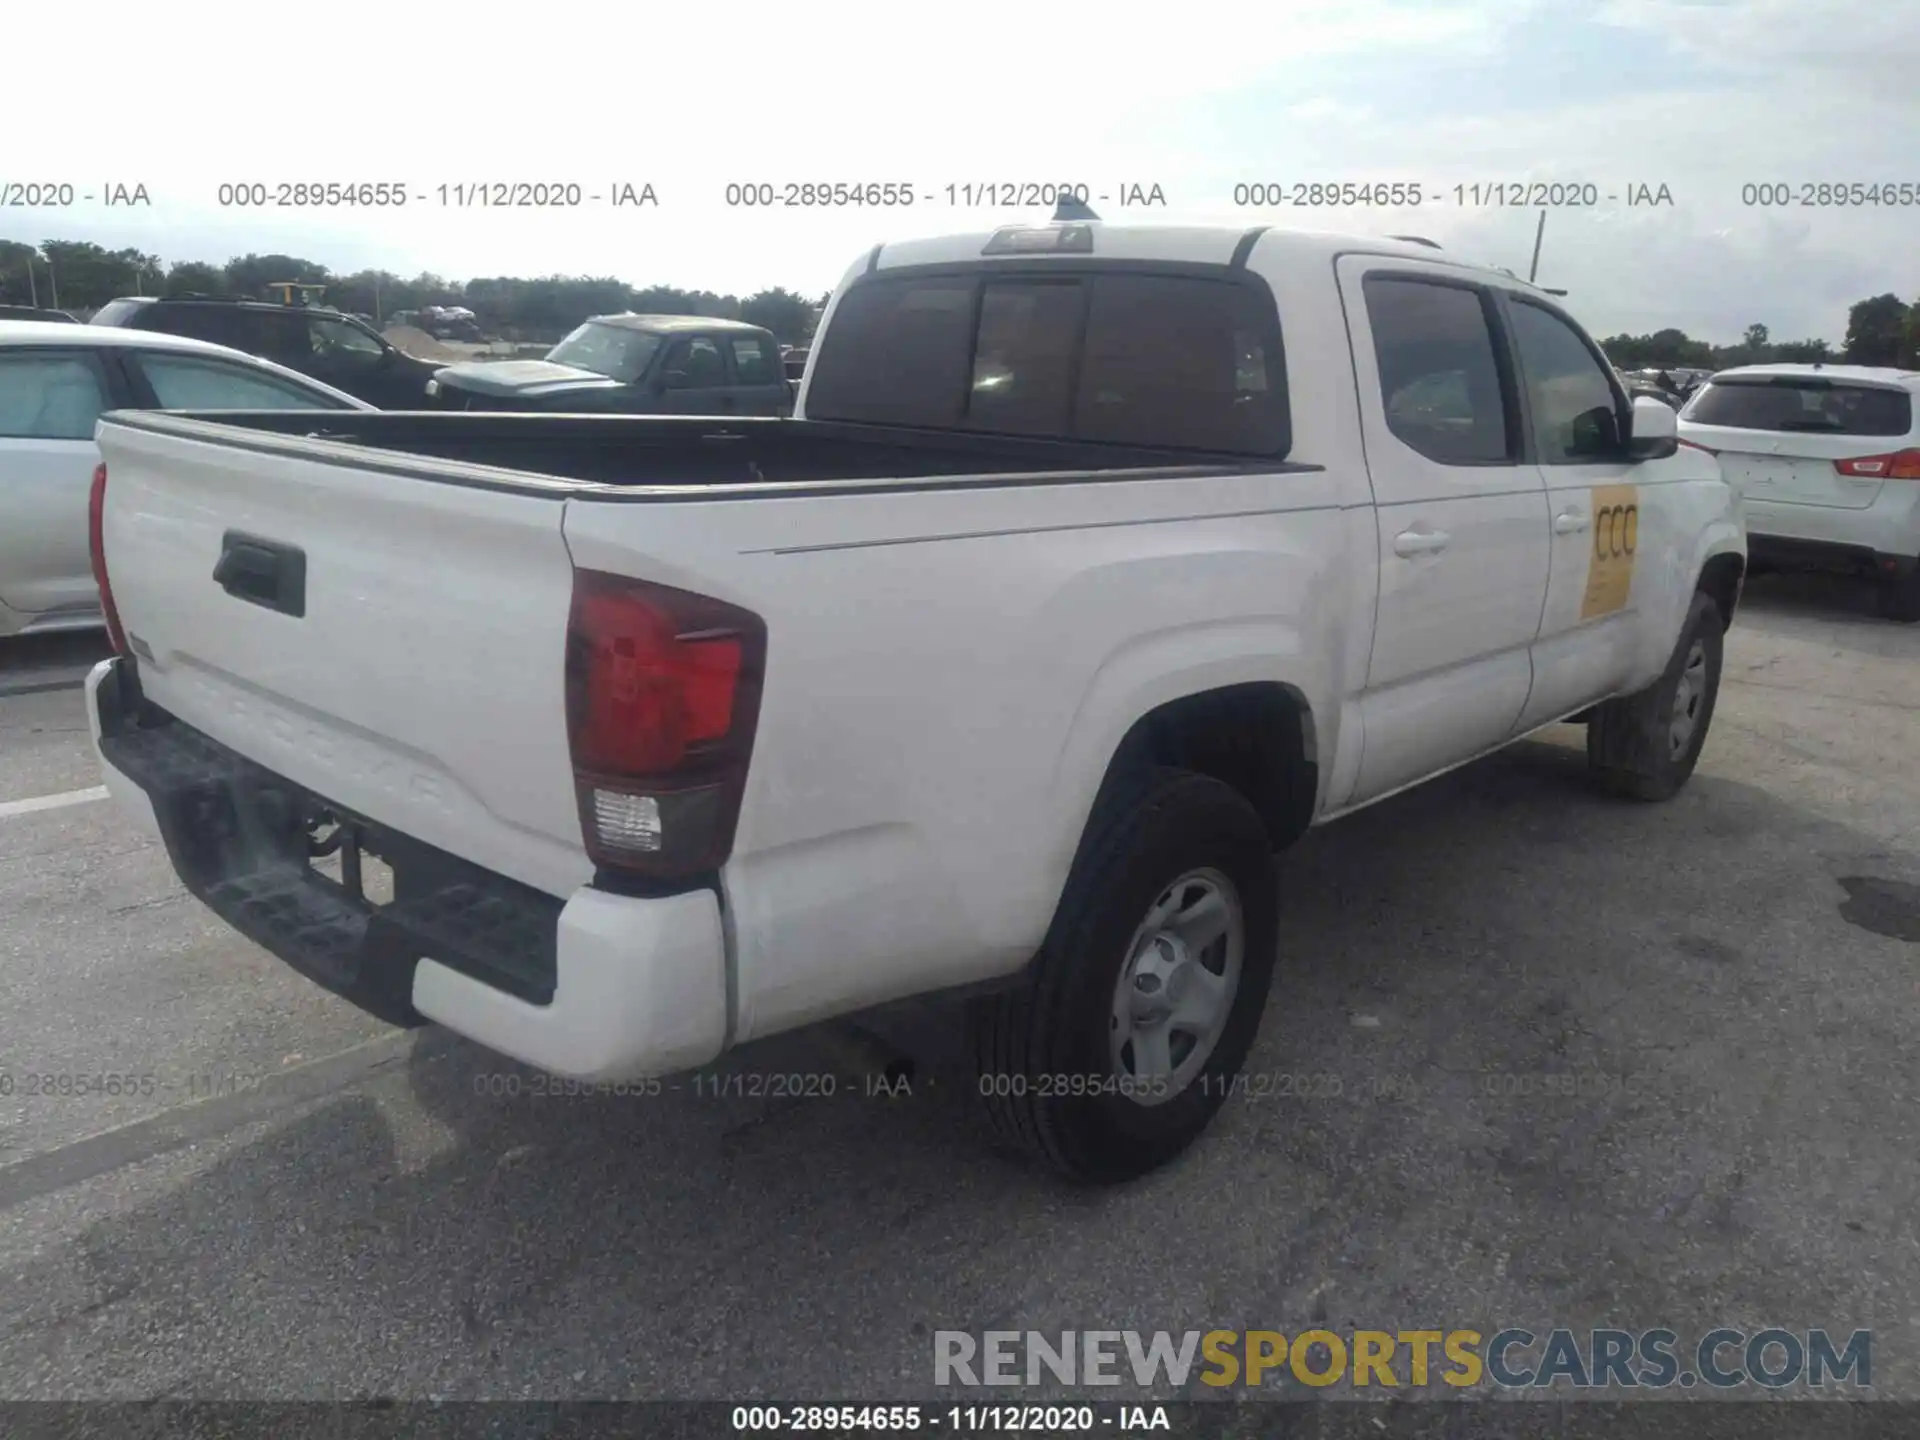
(97, 549)
(663, 690)
(1897, 465)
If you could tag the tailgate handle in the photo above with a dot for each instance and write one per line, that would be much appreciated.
(263, 572)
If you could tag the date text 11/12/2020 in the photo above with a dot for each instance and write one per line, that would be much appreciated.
(960, 1419)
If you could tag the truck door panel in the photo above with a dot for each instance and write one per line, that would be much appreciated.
(1461, 520)
(1598, 513)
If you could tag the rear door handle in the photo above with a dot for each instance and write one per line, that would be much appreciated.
(1569, 522)
(263, 572)
(1409, 543)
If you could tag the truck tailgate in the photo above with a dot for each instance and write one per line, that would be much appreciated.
(419, 680)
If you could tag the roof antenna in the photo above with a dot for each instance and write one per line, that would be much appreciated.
(1071, 207)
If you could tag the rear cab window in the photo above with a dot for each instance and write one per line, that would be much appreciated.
(1803, 404)
(194, 382)
(1114, 354)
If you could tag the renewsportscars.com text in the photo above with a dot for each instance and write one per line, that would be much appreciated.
(1513, 1359)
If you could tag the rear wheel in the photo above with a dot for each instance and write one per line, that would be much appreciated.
(1118, 1047)
(1645, 746)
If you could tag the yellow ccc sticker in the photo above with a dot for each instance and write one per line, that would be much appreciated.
(1616, 537)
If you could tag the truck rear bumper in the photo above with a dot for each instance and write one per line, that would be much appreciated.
(596, 987)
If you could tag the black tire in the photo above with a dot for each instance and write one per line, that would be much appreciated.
(1900, 597)
(1055, 1026)
(1629, 740)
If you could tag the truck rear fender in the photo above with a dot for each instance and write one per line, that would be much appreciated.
(1723, 567)
(1248, 671)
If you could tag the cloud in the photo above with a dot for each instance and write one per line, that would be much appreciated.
(1703, 98)
(1324, 109)
(680, 89)
(1861, 50)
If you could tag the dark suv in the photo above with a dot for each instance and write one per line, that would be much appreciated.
(634, 365)
(331, 347)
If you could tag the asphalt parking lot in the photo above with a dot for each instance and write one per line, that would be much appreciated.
(1533, 1057)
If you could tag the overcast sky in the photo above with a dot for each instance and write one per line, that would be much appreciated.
(1702, 96)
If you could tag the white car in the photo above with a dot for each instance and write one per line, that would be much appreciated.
(1827, 461)
(1103, 561)
(55, 382)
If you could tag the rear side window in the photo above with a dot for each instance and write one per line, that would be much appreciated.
(1809, 405)
(1439, 380)
(187, 382)
(752, 362)
(1135, 358)
(48, 395)
(220, 324)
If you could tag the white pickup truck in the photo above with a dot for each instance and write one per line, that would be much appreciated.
(1096, 564)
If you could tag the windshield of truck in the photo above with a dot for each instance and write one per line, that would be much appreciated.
(1168, 361)
(616, 351)
(1812, 404)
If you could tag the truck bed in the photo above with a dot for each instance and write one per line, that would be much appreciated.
(651, 453)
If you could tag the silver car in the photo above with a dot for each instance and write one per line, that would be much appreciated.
(55, 381)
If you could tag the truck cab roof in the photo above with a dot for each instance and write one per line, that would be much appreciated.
(1176, 244)
(674, 324)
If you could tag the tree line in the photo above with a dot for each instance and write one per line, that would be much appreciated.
(81, 276)
(1883, 330)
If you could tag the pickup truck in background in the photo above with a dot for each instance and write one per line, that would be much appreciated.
(633, 365)
(1098, 563)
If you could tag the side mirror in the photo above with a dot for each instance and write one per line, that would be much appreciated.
(1656, 430)
(671, 380)
(1595, 433)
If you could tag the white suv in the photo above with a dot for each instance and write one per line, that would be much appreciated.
(1827, 460)
(55, 382)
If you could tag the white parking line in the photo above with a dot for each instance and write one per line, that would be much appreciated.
(51, 802)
